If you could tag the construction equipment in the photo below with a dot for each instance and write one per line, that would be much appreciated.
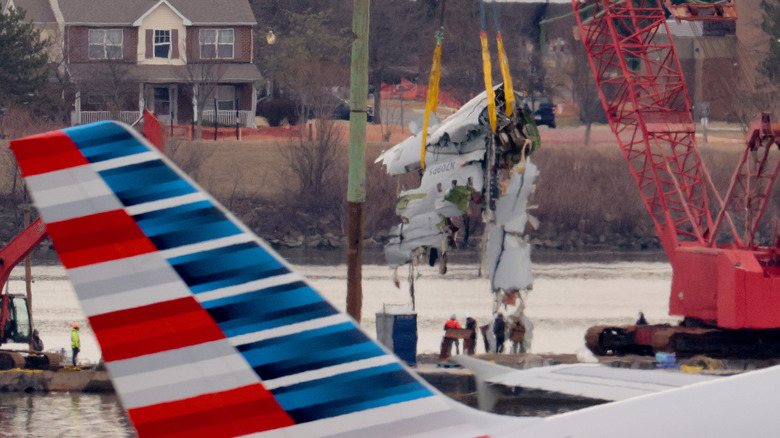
(15, 318)
(15, 321)
(727, 288)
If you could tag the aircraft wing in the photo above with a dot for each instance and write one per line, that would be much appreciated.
(206, 331)
(586, 380)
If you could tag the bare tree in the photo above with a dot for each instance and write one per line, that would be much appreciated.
(189, 156)
(393, 44)
(60, 86)
(204, 78)
(112, 84)
(583, 88)
(314, 165)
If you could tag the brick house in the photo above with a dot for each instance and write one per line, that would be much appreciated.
(179, 58)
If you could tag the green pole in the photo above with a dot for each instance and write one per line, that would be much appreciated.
(356, 188)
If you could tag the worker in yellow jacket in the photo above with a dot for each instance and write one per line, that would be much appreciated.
(75, 342)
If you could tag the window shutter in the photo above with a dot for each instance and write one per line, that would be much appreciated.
(149, 43)
(174, 43)
(238, 47)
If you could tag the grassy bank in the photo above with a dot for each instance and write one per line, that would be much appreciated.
(585, 196)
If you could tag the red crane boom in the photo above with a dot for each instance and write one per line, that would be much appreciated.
(725, 292)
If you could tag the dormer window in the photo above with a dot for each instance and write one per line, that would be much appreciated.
(162, 44)
(105, 43)
(216, 43)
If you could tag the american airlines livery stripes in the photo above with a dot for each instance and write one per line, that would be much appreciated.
(206, 331)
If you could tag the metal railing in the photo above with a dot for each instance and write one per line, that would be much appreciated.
(228, 117)
(245, 118)
(96, 116)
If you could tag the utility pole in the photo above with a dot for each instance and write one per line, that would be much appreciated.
(356, 188)
(28, 274)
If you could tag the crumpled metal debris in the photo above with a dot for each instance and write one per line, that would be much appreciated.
(465, 164)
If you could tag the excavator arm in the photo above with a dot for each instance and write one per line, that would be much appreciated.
(13, 253)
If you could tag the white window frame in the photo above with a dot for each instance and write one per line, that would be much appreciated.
(156, 44)
(219, 37)
(222, 92)
(103, 35)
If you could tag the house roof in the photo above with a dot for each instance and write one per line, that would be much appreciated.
(216, 11)
(200, 12)
(161, 74)
(38, 11)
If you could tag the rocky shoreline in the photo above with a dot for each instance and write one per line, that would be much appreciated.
(566, 241)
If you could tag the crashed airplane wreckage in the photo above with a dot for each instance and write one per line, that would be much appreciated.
(467, 165)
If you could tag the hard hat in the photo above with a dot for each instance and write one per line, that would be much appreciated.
(75, 325)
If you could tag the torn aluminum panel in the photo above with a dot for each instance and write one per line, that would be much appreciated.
(508, 247)
(425, 209)
(465, 165)
(461, 133)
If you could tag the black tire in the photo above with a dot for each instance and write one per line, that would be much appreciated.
(9, 361)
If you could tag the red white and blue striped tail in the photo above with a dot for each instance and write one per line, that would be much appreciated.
(205, 330)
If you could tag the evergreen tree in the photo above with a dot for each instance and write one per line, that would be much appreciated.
(23, 70)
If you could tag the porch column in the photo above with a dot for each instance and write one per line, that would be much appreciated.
(141, 103)
(77, 107)
(195, 103)
(252, 109)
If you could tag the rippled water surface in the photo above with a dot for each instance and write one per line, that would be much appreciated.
(566, 300)
(62, 415)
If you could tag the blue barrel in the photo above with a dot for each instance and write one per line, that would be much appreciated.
(396, 328)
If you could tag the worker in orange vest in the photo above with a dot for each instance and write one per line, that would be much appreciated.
(453, 323)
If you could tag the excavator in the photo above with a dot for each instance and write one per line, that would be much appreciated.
(15, 318)
(725, 285)
(15, 321)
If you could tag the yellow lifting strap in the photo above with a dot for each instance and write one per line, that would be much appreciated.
(503, 62)
(433, 93)
(487, 70)
(509, 92)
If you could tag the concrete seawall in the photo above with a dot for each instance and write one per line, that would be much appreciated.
(457, 383)
(66, 379)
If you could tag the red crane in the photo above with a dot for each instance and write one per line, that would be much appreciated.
(726, 287)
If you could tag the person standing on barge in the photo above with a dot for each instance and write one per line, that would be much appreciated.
(75, 342)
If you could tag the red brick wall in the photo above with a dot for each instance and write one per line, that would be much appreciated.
(78, 44)
(242, 50)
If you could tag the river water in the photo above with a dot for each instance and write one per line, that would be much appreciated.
(568, 297)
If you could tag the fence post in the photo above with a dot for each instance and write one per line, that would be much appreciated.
(216, 118)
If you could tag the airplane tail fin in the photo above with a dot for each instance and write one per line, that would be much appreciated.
(205, 330)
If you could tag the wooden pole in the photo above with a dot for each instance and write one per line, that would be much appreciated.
(356, 189)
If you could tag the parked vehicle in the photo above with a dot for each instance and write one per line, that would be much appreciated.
(545, 112)
(341, 112)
